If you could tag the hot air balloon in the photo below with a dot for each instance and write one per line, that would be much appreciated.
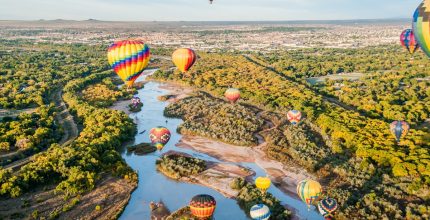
(263, 183)
(232, 95)
(309, 191)
(326, 207)
(211, 1)
(260, 212)
(202, 206)
(159, 137)
(294, 116)
(128, 58)
(421, 26)
(184, 59)
(407, 39)
(399, 129)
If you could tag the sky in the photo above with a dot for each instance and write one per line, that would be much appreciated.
(201, 10)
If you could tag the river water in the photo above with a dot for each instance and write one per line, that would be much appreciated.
(154, 186)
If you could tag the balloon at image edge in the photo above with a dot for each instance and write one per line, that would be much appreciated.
(184, 59)
(202, 206)
(399, 129)
(309, 191)
(327, 207)
(260, 212)
(421, 26)
(128, 58)
(232, 95)
(407, 39)
(159, 137)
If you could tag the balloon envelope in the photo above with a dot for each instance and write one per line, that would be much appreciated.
(309, 191)
(159, 136)
(260, 212)
(202, 206)
(262, 183)
(128, 59)
(184, 59)
(407, 39)
(294, 116)
(232, 95)
(421, 26)
(399, 129)
(327, 206)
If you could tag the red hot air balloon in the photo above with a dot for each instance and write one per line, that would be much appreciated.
(232, 95)
(294, 116)
(203, 206)
(159, 137)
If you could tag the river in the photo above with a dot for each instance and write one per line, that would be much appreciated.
(154, 186)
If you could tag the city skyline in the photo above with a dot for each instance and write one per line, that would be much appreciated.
(201, 10)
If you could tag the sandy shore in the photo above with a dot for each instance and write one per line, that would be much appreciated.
(286, 178)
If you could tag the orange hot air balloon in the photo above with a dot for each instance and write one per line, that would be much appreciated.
(128, 58)
(184, 59)
(203, 206)
(263, 183)
(232, 95)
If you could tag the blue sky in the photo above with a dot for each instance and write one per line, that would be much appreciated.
(200, 10)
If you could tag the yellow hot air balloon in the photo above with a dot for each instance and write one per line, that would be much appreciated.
(128, 58)
(263, 183)
(184, 59)
(309, 191)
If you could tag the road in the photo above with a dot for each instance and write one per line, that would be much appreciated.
(64, 119)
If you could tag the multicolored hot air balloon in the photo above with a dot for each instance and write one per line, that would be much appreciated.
(309, 191)
(159, 137)
(327, 207)
(421, 26)
(202, 206)
(184, 59)
(232, 95)
(399, 129)
(407, 39)
(128, 58)
(260, 212)
(294, 116)
(263, 183)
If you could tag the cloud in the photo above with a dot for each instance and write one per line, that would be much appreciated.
(201, 10)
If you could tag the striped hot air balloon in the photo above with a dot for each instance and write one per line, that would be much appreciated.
(421, 26)
(184, 59)
(159, 137)
(294, 116)
(407, 39)
(128, 58)
(399, 129)
(232, 95)
(327, 207)
(202, 206)
(263, 183)
(309, 191)
(260, 212)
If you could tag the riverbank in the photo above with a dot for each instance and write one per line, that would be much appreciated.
(105, 201)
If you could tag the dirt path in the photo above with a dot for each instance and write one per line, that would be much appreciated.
(14, 113)
(63, 118)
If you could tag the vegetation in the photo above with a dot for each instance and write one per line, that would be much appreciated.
(233, 124)
(76, 168)
(138, 107)
(105, 94)
(34, 131)
(362, 166)
(176, 166)
(393, 86)
(249, 195)
(142, 148)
